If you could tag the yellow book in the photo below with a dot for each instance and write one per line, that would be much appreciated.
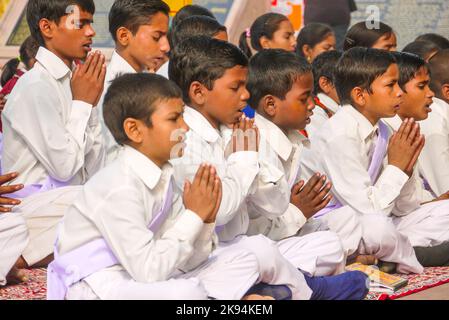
(379, 281)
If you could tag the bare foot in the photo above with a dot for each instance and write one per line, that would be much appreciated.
(253, 297)
(16, 276)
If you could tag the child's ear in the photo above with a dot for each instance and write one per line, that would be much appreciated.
(358, 96)
(197, 93)
(265, 43)
(46, 28)
(123, 36)
(445, 91)
(325, 85)
(132, 130)
(269, 105)
(307, 51)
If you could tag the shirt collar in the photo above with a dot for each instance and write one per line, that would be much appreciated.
(119, 65)
(394, 122)
(200, 125)
(52, 63)
(143, 167)
(274, 136)
(328, 102)
(366, 129)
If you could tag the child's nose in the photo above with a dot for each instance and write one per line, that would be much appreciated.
(165, 45)
(90, 31)
(245, 95)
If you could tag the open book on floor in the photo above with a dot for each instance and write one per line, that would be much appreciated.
(379, 281)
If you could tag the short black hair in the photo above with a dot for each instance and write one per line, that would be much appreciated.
(195, 26)
(359, 35)
(324, 66)
(52, 10)
(264, 26)
(360, 67)
(190, 11)
(135, 96)
(312, 34)
(273, 72)
(439, 68)
(409, 65)
(132, 14)
(437, 39)
(422, 48)
(202, 59)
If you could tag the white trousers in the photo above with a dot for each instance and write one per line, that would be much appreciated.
(317, 254)
(274, 268)
(42, 213)
(427, 226)
(227, 275)
(371, 234)
(13, 240)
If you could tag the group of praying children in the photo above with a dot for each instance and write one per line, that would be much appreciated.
(189, 168)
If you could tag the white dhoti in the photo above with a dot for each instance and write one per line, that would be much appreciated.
(317, 254)
(274, 268)
(13, 240)
(227, 275)
(42, 213)
(426, 227)
(370, 234)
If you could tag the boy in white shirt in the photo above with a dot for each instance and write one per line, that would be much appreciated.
(212, 75)
(372, 172)
(122, 239)
(326, 97)
(414, 80)
(280, 87)
(51, 132)
(139, 29)
(435, 155)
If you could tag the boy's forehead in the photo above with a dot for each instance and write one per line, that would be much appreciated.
(391, 72)
(303, 83)
(236, 73)
(157, 22)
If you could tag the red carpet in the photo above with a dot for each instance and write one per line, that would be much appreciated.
(432, 277)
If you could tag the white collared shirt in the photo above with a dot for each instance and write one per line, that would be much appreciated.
(434, 160)
(420, 192)
(118, 204)
(163, 70)
(319, 115)
(279, 154)
(46, 132)
(342, 150)
(204, 144)
(117, 66)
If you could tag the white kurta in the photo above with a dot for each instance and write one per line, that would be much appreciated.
(428, 225)
(47, 133)
(319, 115)
(117, 66)
(238, 173)
(435, 155)
(342, 150)
(118, 204)
(318, 254)
(13, 239)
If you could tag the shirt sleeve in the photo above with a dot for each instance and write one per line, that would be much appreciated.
(95, 148)
(123, 225)
(278, 228)
(237, 174)
(434, 160)
(59, 145)
(351, 182)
